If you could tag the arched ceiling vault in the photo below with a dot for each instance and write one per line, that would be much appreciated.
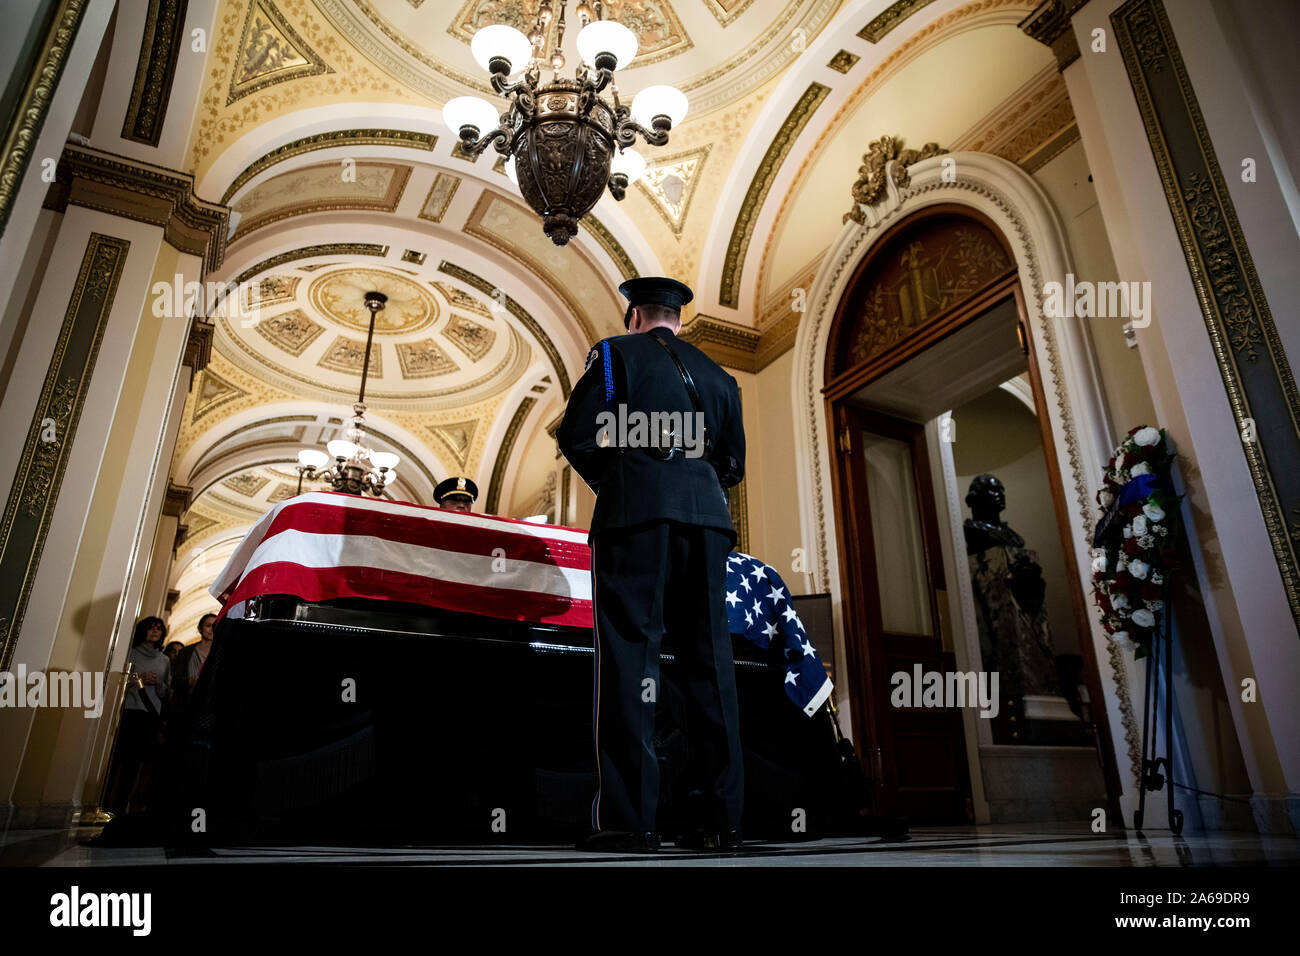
(319, 123)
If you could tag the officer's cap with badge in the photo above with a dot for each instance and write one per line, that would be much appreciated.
(459, 487)
(654, 290)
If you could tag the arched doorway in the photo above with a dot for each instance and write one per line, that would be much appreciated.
(930, 329)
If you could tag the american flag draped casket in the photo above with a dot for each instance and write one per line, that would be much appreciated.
(322, 546)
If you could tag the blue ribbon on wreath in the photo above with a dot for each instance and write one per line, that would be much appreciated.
(1136, 489)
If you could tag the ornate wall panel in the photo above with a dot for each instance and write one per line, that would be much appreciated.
(33, 103)
(1254, 367)
(155, 71)
(45, 453)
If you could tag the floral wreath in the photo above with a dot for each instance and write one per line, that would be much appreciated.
(1133, 550)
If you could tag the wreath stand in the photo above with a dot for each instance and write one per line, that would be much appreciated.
(1151, 778)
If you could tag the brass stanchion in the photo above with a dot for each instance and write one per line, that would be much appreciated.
(98, 816)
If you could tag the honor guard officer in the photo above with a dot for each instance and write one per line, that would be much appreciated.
(455, 494)
(660, 536)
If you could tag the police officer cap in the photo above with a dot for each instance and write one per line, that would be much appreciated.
(459, 487)
(654, 290)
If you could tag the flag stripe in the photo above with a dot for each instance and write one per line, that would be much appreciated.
(326, 518)
(324, 584)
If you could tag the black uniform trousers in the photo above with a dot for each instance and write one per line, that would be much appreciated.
(645, 579)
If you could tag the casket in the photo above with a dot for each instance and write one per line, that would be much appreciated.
(373, 679)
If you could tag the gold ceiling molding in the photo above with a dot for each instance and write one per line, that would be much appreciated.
(471, 338)
(339, 13)
(893, 15)
(777, 151)
(198, 345)
(176, 499)
(400, 138)
(884, 160)
(215, 451)
(1049, 24)
(779, 27)
(293, 386)
(213, 392)
(346, 355)
(457, 438)
(28, 115)
(461, 299)
(440, 196)
(144, 193)
(196, 525)
(475, 227)
(275, 290)
(219, 125)
(725, 342)
(291, 331)
(378, 187)
(246, 484)
(605, 239)
(843, 61)
(270, 51)
(672, 200)
(726, 11)
(156, 69)
(339, 296)
(311, 252)
(659, 32)
(925, 38)
(740, 347)
(503, 454)
(519, 312)
(1031, 128)
(424, 359)
(282, 492)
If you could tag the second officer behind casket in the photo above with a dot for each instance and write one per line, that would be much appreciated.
(654, 428)
(456, 494)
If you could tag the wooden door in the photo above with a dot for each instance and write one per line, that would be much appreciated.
(896, 569)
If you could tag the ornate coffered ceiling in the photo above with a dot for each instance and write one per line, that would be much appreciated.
(310, 341)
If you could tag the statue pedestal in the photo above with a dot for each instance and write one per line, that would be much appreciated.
(1049, 720)
(1041, 784)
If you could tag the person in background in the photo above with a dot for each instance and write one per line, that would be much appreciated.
(188, 665)
(174, 649)
(141, 730)
(456, 494)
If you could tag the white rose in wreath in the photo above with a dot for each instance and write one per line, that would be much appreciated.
(1107, 499)
(1118, 601)
(1128, 531)
(1138, 569)
(1153, 512)
(1141, 468)
(1123, 640)
(1140, 525)
(1147, 436)
(1099, 562)
(1144, 618)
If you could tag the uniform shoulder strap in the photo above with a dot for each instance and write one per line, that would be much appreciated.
(684, 373)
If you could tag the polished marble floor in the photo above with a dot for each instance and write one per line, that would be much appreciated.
(1006, 845)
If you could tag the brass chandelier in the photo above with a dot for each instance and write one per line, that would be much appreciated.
(356, 469)
(560, 140)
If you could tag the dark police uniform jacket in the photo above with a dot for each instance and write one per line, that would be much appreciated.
(633, 487)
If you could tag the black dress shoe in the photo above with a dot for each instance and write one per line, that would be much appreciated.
(619, 841)
(710, 841)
